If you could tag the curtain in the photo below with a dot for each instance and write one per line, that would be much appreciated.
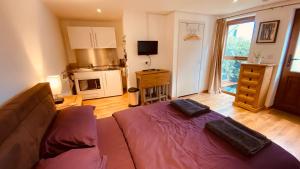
(215, 85)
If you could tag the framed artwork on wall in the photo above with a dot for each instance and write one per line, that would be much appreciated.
(267, 32)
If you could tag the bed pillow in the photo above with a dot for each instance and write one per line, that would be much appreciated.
(74, 127)
(86, 158)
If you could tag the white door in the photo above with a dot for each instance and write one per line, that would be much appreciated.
(105, 37)
(113, 83)
(189, 59)
(80, 37)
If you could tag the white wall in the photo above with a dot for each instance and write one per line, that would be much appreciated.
(31, 46)
(117, 24)
(171, 44)
(209, 22)
(138, 25)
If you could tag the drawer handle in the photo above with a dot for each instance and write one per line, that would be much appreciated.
(251, 70)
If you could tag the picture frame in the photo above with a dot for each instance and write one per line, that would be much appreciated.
(268, 31)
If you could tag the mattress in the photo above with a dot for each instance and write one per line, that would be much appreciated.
(161, 137)
(112, 143)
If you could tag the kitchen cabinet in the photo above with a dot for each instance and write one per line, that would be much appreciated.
(113, 85)
(80, 37)
(98, 84)
(105, 37)
(92, 37)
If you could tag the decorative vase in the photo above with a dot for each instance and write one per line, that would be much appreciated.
(258, 60)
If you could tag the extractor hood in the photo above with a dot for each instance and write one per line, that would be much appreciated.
(96, 57)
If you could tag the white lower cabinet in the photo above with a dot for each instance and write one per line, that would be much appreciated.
(99, 84)
(113, 85)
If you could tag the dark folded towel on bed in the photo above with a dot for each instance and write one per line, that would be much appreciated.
(246, 129)
(198, 104)
(246, 140)
(190, 107)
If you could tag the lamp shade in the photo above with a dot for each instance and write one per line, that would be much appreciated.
(55, 84)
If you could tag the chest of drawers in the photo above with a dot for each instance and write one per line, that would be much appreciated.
(253, 86)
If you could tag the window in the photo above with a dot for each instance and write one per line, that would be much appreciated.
(237, 48)
(296, 58)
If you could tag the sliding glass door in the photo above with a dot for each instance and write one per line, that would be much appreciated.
(237, 48)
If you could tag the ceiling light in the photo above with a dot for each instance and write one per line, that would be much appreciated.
(234, 1)
(99, 10)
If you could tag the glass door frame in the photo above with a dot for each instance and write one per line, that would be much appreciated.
(237, 58)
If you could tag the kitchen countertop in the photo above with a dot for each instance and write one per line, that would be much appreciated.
(104, 68)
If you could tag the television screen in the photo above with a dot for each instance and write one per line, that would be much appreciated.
(147, 47)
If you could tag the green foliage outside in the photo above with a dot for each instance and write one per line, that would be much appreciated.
(231, 70)
(235, 46)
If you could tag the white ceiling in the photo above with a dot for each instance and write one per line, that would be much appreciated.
(112, 9)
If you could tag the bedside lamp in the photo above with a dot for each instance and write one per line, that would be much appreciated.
(56, 88)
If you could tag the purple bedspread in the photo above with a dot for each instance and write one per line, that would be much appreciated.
(160, 137)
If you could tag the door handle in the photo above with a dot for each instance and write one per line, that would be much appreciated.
(91, 40)
(106, 80)
(291, 59)
(96, 40)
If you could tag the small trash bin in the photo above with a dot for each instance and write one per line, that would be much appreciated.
(133, 96)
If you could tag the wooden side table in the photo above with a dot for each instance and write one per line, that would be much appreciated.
(153, 85)
(69, 101)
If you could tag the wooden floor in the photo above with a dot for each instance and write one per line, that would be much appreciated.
(282, 128)
(105, 107)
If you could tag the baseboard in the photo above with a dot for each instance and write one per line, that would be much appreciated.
(269, 108)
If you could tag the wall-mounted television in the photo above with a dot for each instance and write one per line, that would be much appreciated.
(147, 47)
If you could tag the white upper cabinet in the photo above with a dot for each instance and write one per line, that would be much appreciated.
(105, 37)
(92, 37)
(80, 37)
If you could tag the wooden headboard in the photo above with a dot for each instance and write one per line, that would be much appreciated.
(23, 122)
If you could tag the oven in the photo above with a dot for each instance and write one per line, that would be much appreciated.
(90, 84)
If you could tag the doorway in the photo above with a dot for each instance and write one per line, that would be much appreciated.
(190, 44)
(288, 93)
(236, 50)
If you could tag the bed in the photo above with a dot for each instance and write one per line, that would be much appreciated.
(159, 136)
(149, 137)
